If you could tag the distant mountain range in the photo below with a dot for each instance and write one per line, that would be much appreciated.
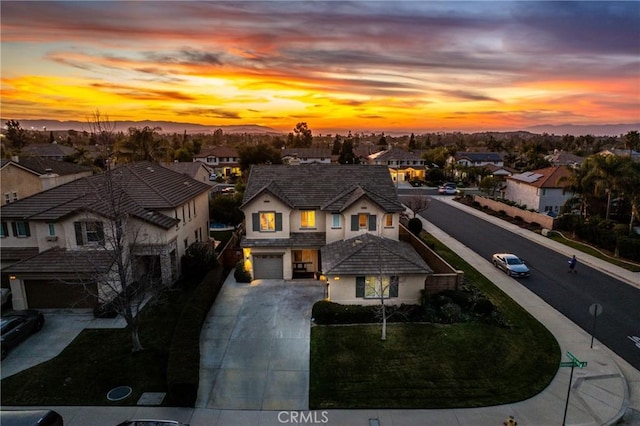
(175, 127)
(123, 126)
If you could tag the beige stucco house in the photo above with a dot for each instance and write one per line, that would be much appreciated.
(22, 177)
(543, 190)
(339, 223)
(58, 241)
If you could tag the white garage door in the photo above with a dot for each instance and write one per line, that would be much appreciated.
(267, 266)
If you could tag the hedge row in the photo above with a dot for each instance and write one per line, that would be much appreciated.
(325, 312)
(183, 366)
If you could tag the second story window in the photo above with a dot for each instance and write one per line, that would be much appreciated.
(4, 231)
(335, 220)
(89, 233)
(7, 198)
(267, 221)
(388, 220)
(308, 218)
(21, 229)
(52, 229)
(363, 221)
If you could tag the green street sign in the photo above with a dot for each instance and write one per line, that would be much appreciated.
(574, 361)
(567, 364)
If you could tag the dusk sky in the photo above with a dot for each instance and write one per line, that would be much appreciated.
(361, 66)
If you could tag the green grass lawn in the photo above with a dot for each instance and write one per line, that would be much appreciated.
(432, 365)
(584, 248)
(101, 359)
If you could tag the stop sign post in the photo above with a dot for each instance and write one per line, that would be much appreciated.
(594, 311)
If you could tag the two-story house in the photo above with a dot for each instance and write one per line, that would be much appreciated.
(403, 165)
(306, 156)
(543, 190)
(340, 222)
(58, 242)
(20, 178)
(224, 160)
(476, 159)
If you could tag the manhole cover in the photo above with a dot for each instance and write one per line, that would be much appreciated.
(119, 393)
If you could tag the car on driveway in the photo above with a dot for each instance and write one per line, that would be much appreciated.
(448, 189)
(17, 326)
(511, 264)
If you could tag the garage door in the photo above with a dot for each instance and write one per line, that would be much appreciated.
(267, 267)
(45, 294)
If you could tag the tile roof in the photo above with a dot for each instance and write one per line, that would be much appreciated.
(549, 177)
(40, 166)
(189, 168)
(329, 187)
(371, 255)
(141, 188)
(477, 157)
(218, 151)
(395, 154)
(298, 239)
(58, 260)
(47, 150)
(17, 253)
(307, 152)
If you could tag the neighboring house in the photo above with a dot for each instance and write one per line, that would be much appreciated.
(20, 178)
(52, 151)
(561, 158)
(542, 190)
(403, 165)
(195, 170)
(325, 220)
(499, 171)
(476, 159)
(56, 242)
(306, 156)
(635, 155)
(224, 160)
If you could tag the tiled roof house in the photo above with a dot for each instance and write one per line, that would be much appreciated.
(542, 190)
(52, 239)
(341, 221)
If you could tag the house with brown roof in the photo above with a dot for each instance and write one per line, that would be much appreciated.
(403, 165)
(543, 190)
(341, 222)
(561, 158)
(52, 151)
(22, 177)
(306, 156)
(58, 242)
(195, 170)
(224, 160)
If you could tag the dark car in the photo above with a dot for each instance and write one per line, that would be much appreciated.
(17, 326)
(31, 418)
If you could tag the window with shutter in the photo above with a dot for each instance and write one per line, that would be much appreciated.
(354, 223)
(359, 286)
(21, 229)
(372, 222)
(4, 232)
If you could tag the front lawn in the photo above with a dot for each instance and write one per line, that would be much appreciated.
(101, 359)
(434, 365)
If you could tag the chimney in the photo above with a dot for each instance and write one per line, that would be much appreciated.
(15, 159)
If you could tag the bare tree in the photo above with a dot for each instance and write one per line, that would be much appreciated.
(103, 133)
(119, 264)
(417, 203)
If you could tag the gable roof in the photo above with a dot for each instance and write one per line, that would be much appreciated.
(47, 150)
(306, 152)
(478, 157)
(368, 254)
(189, 168)
(41, 166)
(141, 190)
(548, 177)
(395, 154)
(218, 151)
(328, 187)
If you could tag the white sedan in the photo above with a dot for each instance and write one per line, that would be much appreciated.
(511, 264)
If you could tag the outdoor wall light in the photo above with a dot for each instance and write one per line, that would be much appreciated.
(12, 277)
(336, 278)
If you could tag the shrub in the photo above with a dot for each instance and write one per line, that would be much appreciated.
(451, 313)
(415, 226)
(241, 274)
(199, 259)
(183, 365)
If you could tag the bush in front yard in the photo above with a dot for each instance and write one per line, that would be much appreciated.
(241, 274)
(199, 259)
(415, 226)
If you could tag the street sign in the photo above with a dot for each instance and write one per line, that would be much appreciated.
(595, 309)
(567, 364)
(576, 361)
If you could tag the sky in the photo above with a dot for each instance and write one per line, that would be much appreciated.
(360, 66)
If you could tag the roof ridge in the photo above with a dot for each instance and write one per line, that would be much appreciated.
(136, 174)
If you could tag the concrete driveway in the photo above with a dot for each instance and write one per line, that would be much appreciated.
(60, 328)
(255, 346)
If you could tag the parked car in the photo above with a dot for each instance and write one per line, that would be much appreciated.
(448, 189)
(31, 418)
(17, 326)
(416, 182)
(5, 294)
(511, 264)
(145, 422)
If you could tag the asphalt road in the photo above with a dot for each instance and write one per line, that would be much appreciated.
(570, 294)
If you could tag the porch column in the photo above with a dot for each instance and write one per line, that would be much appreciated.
(18, 293)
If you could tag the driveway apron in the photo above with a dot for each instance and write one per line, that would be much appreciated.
(255, 346)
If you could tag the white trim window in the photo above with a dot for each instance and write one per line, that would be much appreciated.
(308, 219)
